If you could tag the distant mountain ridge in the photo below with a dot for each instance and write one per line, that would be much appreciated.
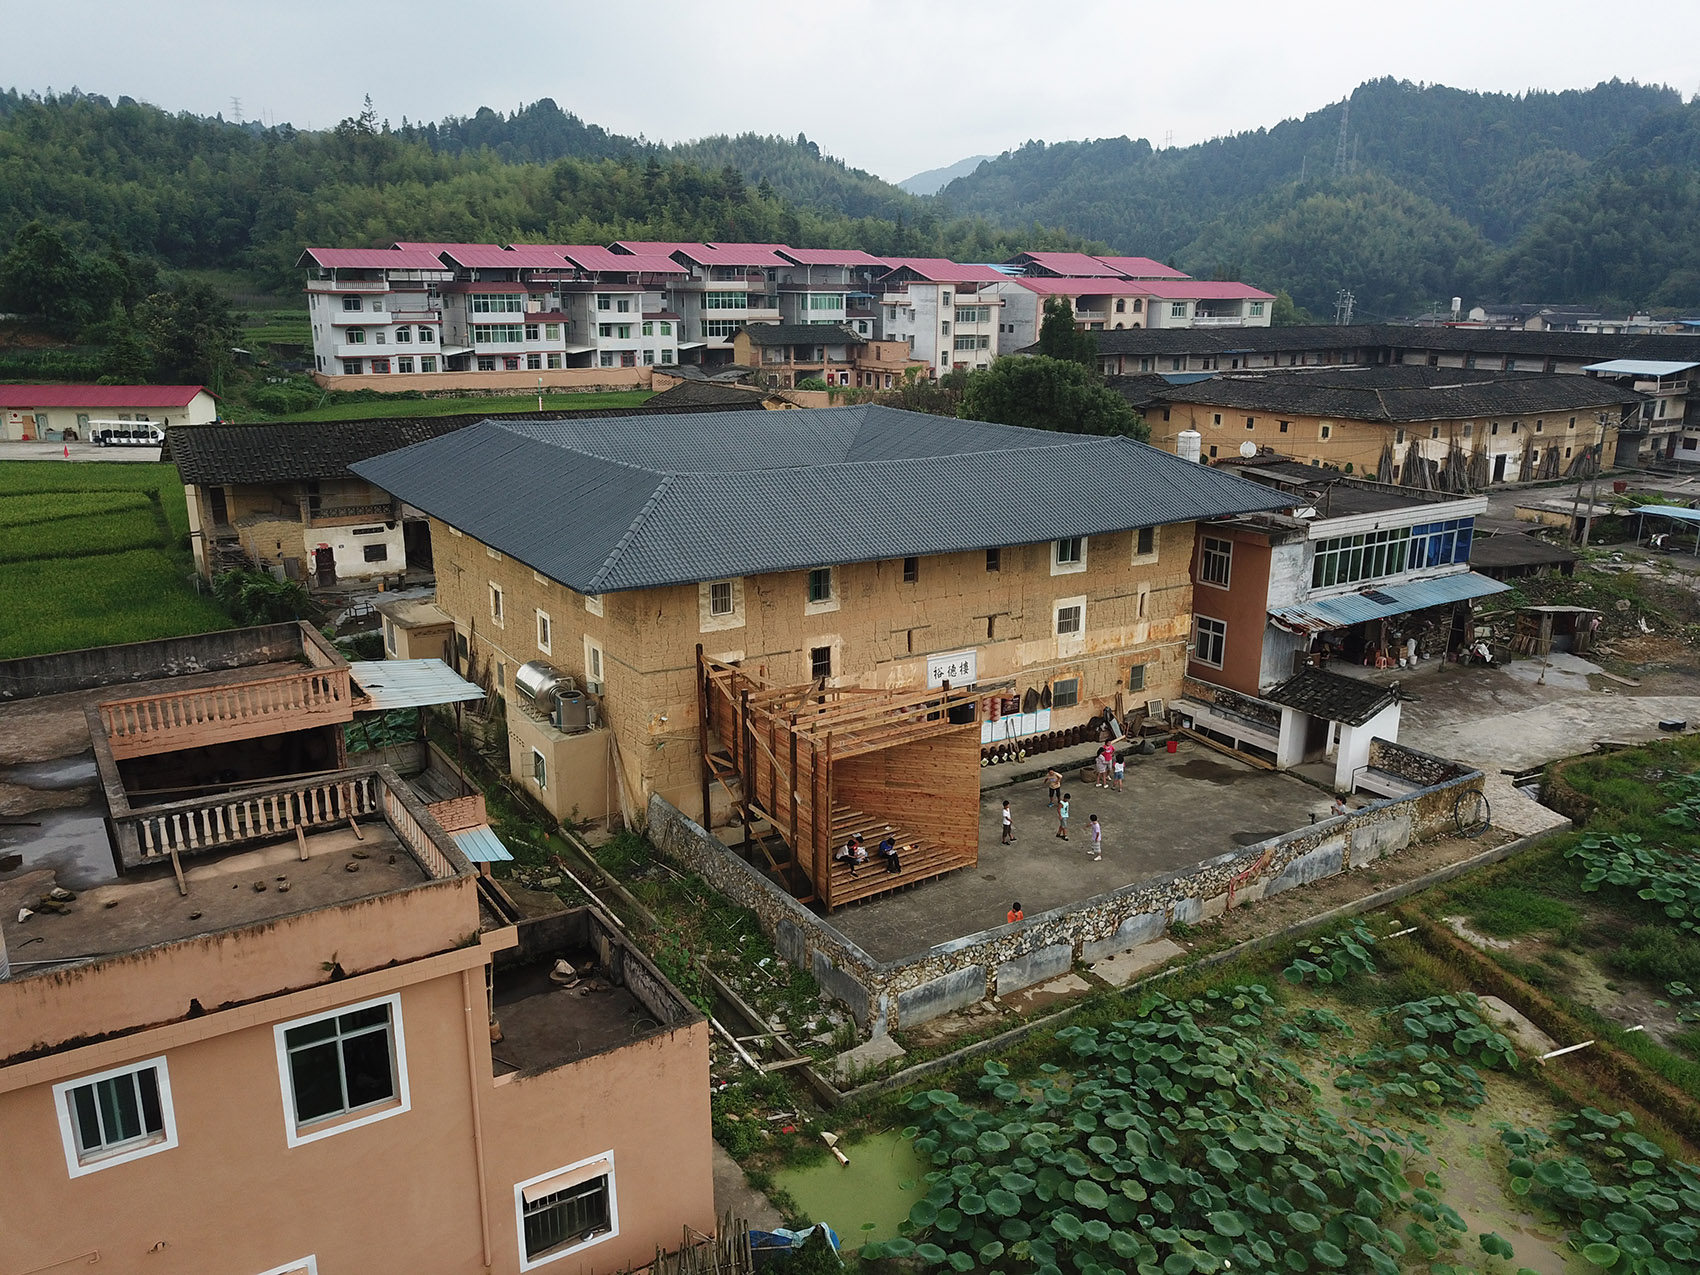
(934, 180)
(1434, 191)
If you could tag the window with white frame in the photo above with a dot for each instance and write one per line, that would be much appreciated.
(593, 603)
(545, 630)
(342, 1063)
(1257, 309)
(351, 303)
(720, 601)
(822, 587)
(116, 1116)
(495, 603)
(1177, 309)
(540, 770)
(1144, 542)
(566, 1210)
(1216, 561)
(1210, 640)
(593, 662)
(1068, 556)
(1070, 617)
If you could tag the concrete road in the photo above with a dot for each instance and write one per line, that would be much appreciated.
(1511, 720)
(79, 451)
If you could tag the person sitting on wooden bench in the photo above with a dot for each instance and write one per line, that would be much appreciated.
(852, 852)
(888, 851)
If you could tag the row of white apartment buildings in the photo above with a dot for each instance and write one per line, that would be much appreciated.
(425, 307)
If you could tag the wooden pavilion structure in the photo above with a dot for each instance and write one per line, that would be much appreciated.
(817, 763)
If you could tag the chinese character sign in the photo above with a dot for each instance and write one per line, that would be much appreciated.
(959, 668)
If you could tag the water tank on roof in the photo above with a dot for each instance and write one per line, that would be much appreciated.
(538, 681)
(1189, 445)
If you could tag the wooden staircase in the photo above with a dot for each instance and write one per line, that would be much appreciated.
(921, 859)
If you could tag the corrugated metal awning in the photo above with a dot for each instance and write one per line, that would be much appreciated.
(1641, 367)
(1382, 601)
(481, 845)
(391, 684)
(1669, 511)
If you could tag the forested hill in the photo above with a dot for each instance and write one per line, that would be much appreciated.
(186, 190)
(793, 168)
(1440, 192)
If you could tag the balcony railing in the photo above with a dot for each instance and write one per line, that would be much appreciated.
(274, 812)
(1218, 320)
(175, 720)
(348, 285)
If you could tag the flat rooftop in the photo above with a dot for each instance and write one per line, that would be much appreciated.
(545, 1024)
(1175, 810)
(49, 784)
(243, 887)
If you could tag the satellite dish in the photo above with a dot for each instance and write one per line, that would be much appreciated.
(1248, 449)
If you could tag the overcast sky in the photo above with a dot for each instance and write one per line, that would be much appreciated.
(890, 87)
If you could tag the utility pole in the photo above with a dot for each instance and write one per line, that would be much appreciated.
(1343, 303)
(236, 110)
(1340, 146)
(1582, 479)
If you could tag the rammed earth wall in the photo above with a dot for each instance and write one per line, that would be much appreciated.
(885, 995)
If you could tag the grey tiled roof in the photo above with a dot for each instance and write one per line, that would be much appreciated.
(308, 451)
(1394, 336)
(1401, 393)
(700, 394)
(1323, 694)
(607, 505)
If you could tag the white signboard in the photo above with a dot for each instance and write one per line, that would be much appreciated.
(959, 668)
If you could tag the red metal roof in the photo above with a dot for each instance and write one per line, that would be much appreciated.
(100, 395)
(1141, 268)
(732, 254)
(939, 270)
(594, 257)
(1099, 287)
(1073, 264)
(1199, 290)
(409, 257)
(653, 247)
(490, 257)
(831, 257)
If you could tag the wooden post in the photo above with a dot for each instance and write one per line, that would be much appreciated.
(824, 853)
(702, 736)
(796, 796)
(177, 870)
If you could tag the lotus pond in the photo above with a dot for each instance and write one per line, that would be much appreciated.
(1357, 1115)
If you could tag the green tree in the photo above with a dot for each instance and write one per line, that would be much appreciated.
(1284, 314)
(189, 332)
(1045, 393)
(44, 275)
(1060, 339)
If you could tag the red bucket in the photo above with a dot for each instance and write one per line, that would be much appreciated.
(1173, 746)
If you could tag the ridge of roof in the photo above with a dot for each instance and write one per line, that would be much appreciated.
(643, 515)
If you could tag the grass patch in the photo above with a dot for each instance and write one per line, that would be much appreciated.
(394, 407)
(1658, 954)
(36, 508)
(83, 477)
(1507, 911)
(94, 554)
(65, 604)
(109, 531)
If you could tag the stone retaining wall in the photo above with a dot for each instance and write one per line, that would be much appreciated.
(885, 995)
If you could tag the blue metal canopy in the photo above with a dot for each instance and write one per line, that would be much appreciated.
(1382, 601)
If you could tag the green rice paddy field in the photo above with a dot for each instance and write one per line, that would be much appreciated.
(93, 554)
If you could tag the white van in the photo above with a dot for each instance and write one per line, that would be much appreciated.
(126, 433)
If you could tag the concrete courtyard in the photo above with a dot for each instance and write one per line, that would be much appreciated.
(1174, 811)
